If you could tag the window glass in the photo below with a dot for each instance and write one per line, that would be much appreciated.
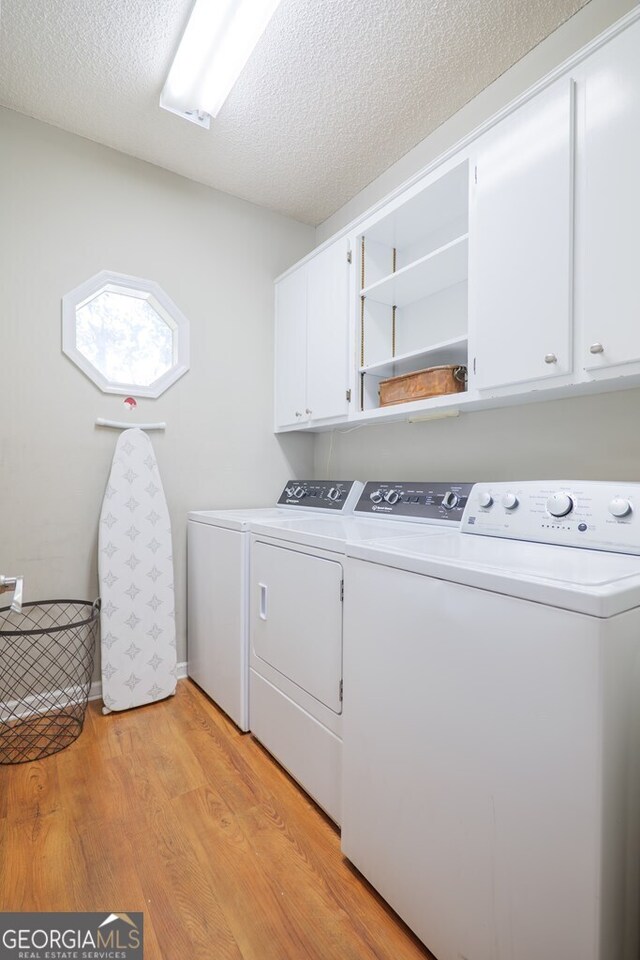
(126, 334)
(124, 337)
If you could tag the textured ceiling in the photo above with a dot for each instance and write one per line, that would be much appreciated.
(335, 92)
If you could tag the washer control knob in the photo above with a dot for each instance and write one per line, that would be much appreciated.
(299, 493)
(392, 496)
(509, 501)
(450, 500)
(334, 494)
(485, 499)
(375, 496)
(620, 507)
(559, 504)
(289, 491)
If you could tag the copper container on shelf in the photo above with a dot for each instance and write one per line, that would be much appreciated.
(422, 384)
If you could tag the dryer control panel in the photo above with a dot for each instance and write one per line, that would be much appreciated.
(339, 496)
(408, 500)
(598, 515)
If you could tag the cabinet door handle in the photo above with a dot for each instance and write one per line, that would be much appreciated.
(263, 601)
(308, 412)
(298, 414)
(596, 348)
(550, 358)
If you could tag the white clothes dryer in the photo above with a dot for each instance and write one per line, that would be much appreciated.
(296, 614)
(217, 586)
(492, 724)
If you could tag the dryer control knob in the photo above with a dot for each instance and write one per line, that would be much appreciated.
(485, 499)
(620, 507)
(334, 494)
(392, 496)
(299, 493)
(375, 496)
(509, 501)
(450, 500)
(559, 504)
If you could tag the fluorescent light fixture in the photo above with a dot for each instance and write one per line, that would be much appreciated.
(217, 42)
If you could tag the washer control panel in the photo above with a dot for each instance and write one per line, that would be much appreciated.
(337, 495)
(422, 501)
(595, 514)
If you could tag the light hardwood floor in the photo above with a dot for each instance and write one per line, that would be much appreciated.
(168, 809)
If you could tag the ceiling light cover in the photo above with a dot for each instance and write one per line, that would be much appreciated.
(217, 42)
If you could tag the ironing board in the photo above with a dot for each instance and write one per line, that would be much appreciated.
(135, 569)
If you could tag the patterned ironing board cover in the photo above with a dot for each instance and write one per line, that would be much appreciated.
(135, 568)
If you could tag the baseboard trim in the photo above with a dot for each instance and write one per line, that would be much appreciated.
(54, 699)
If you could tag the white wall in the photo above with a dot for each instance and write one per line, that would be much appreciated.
(590, 438)
(70, 208)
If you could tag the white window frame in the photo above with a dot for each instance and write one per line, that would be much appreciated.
(161, 303)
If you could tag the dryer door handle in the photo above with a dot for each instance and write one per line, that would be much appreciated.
(263, 601)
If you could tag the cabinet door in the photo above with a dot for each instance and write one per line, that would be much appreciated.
(521, 243)
(610, 204)
(291, 349)
(327, 332)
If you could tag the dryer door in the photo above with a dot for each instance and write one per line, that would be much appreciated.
(296, 618)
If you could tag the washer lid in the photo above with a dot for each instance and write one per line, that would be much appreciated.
(332, 533)
(237, 519)
(592, 582)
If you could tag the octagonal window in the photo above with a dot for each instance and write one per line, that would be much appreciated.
(126, 334)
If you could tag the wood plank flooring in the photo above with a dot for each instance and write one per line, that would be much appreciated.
(168, 809)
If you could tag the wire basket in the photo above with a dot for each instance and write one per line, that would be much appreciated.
(46, 664)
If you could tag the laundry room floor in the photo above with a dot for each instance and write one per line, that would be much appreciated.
(169, 810)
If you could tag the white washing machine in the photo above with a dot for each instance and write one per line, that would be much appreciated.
(218, 585)
(492, 724)
(297, 575)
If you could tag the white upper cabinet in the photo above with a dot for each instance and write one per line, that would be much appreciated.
(311, 340)
(521, 243)
(515, 256)
(291, 349)
(609, 221)
(328, 333)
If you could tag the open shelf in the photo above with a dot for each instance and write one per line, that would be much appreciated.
(440, 269)
(442, 201)
(413, 301)
(447, 351)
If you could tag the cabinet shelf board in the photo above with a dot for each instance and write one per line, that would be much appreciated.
(414, 408)
(443, 268)
(447, 351)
